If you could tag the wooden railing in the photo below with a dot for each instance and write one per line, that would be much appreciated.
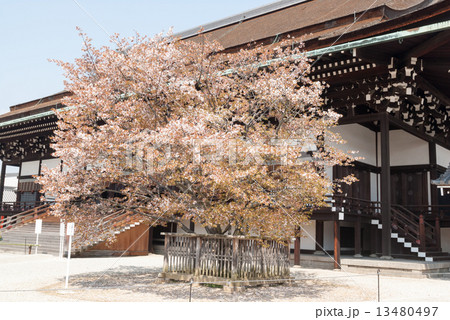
(358, 206)
(18, 207)
(414, 226)
(108, 225)
(25, 216)
(224, 257)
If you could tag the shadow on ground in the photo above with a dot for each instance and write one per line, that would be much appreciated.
(143, 281)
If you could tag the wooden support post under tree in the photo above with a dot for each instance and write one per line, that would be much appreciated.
(297, 250)
(385, 189)
(337, 245)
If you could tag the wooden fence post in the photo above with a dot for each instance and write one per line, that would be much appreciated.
(422, 238)
(234, 259)
(166, 254)
(198, 249)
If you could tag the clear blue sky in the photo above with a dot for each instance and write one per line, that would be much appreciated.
(32, 31)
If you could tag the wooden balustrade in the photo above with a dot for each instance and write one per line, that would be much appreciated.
(423, 242)
(223, 258)
(25, 216)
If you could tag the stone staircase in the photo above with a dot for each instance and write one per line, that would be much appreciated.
(18, 233)
(19, 238)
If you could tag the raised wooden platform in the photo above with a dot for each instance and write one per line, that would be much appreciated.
(394, 267)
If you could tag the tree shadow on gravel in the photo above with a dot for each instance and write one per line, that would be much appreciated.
(143, 281)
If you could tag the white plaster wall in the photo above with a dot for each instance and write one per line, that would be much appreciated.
(11, 182)
(405, 149)
(29, 168)
(307, 242)
(374, 187)
(199, 229)
(328, 235)
(443, 156)
(359, 139)
(445, 239)
(51, 163)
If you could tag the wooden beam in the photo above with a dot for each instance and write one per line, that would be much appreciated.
(427, 46)
(415, 132)
(368, 55)
(370, 117)
(385, 188)
(425, 85)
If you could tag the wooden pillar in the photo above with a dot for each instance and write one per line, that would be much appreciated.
(297, 250)
(433, 174)
(358, 238)
(2, 181)
(385, 189)
(437, 232)
(337, 245)
(319, 237)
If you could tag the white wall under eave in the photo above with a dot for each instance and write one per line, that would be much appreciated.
(307, 242)
(29, 168)
(405, 149)
(328, 235)
(359, 139)
(443, 156)
(374, 187)
(445, 239)
(51, 163)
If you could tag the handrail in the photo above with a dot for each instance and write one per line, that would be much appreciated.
(412, 220)
(17, 206)
(24, 216)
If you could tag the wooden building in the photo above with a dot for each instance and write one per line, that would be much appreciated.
(387, 64)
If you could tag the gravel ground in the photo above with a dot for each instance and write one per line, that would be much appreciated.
(26, 278)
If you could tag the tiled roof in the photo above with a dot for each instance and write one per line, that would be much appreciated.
(34, 107)
(306, 18)
(444, 179)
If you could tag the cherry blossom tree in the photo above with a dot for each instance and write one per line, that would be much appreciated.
(179, 131)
